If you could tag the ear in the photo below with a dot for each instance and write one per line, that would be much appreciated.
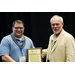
(62, 24)
(24, 28)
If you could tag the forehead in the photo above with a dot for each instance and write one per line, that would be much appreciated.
(56, 20)
(18, 24)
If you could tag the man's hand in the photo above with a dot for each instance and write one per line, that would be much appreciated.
(42, 55)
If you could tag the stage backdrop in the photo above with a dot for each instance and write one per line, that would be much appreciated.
(37, 25)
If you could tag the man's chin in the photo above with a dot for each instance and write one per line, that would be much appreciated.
(18, 36)
(56, 33)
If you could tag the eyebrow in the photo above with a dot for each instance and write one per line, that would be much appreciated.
(55, 24)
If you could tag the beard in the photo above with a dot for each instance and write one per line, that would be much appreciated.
(56, 31)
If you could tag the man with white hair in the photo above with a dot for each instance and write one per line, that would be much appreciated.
(61, 46)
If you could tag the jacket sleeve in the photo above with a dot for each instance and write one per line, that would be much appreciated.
(46, 50)
(70, 49)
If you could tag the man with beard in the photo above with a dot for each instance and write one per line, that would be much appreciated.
(61, 44)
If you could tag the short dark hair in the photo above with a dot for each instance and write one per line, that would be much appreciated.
(17, 21)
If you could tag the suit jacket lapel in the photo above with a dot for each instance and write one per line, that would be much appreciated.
(58, 40)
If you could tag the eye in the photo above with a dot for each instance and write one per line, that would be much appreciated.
(57, 24)
(21, 27)
(53, 24)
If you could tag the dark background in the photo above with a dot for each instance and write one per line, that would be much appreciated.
(37, 25)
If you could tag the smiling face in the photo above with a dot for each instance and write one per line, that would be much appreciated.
(56, 25)
(18, 30)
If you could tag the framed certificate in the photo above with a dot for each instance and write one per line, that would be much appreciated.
(34, 55)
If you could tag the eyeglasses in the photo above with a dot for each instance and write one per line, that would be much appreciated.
(18, 27)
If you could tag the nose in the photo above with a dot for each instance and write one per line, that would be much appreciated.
(19, 29)
(55, 25)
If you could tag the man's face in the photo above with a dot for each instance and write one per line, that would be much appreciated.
(56, 25)
(18, 30)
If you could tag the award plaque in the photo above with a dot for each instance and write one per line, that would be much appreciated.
(34, 55)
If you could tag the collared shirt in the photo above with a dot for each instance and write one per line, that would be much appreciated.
(9, 47)
(53, 42)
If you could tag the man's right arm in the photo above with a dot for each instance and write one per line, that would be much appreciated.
(7, 58)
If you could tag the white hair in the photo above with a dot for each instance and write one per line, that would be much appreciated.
(56, 16)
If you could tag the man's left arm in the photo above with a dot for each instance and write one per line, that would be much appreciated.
(70, 50)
